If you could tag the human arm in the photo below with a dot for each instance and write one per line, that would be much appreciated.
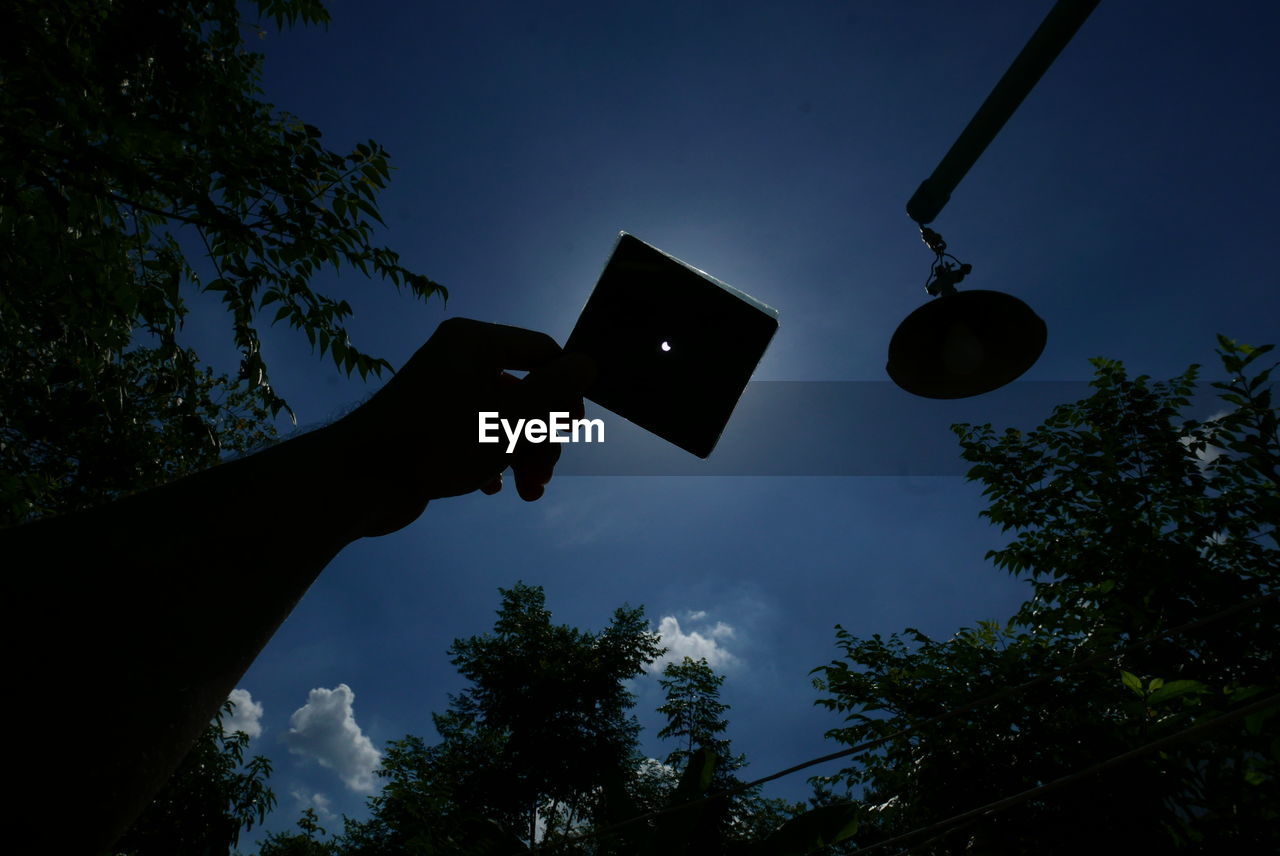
(132, 622)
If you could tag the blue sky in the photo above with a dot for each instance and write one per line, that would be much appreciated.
(1130, 202)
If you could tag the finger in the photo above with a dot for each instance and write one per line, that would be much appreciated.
(532, 466)
(570, 373)
(492, 486)
(507, 382)
(533, 473)
(530, 492)
(496, 346)
(556, 386)
(577, 408)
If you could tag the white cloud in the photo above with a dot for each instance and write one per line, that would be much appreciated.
(655, 769)
(325, 729)
(318, 801)
(656, 773)
(1203, 456)
(1209, 452)
(246, 717)
(697, 644)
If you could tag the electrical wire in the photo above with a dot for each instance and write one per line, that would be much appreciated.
(1008, 802)
(956, 711)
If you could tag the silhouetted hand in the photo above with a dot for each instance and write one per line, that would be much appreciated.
(134, 599)
(417, 438)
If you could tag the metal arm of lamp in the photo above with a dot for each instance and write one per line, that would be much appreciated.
(966, 343)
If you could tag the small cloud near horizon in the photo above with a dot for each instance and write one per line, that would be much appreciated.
(322, 804)
(706, 642)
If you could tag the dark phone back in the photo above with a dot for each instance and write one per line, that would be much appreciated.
(675, 347)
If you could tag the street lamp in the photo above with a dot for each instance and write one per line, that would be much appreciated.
(966, 343)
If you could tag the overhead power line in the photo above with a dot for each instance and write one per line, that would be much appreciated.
(1004, 803)
(1000, 695)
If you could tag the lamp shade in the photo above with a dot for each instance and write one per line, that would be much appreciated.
(965, 343)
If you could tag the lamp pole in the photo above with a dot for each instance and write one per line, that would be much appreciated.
(971, 342)
(1062, 22)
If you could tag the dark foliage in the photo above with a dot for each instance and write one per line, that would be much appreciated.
(1130, 521)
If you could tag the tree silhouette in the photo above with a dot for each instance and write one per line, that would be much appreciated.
(1131, 521)
(695, 718)
(527, 749)
(133, 132)
(209, 801)
(693, 710)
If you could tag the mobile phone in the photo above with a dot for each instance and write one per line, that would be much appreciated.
(674, 346)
